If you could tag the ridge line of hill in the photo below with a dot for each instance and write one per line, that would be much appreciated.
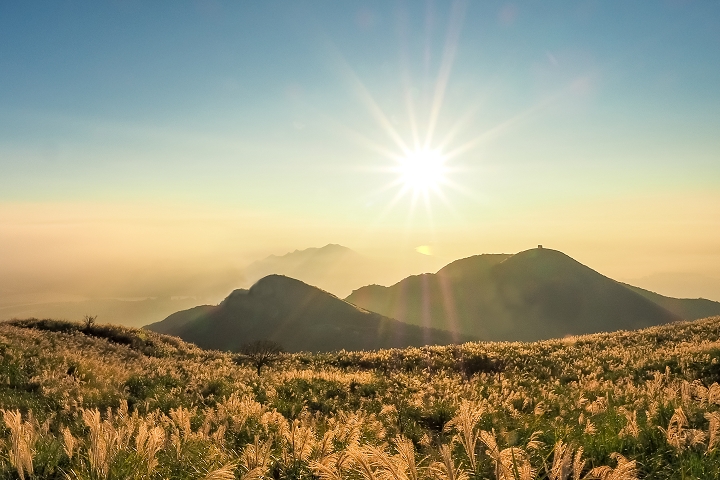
(534, 294)
(299, 317)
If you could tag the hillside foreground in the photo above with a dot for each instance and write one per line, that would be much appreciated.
(96, 401)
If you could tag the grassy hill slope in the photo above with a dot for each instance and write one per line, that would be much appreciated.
(536, 294)
(685, 308)
(133, 313)
(644, 404)
(297, 316)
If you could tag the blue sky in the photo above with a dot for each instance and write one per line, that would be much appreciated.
(578, 113)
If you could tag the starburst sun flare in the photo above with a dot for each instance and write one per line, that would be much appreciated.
(422, 170)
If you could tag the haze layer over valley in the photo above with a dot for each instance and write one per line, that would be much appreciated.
(333, 268)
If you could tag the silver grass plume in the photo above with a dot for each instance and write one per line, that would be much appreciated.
(446, 469)
(226, 472)
(464, 423)
(625, 470)
(22, 442)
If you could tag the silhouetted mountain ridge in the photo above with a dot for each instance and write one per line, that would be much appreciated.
(686, 308)
(298, 316)
(338, 269)
(535, 294)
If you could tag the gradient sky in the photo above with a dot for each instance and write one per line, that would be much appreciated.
(145, 141)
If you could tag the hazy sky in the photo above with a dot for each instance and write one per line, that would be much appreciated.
(142, 142)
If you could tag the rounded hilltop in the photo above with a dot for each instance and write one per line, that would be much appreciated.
(299, 317)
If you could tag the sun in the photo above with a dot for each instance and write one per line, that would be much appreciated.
(422, 170)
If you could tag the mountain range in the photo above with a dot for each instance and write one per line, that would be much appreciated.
(334, 268)
(532, 295)
(536, 294)
(299, 317)
(686, 308)
(338, 269)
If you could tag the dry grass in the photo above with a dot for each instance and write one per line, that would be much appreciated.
(612, 406)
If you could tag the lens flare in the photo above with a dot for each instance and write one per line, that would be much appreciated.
(422, 170)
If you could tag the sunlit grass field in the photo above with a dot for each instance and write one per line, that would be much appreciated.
(101, 402)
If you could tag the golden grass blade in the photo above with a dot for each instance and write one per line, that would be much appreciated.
(226, 472)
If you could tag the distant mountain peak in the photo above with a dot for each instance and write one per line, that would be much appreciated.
(330, 248)
(332, 267)
(336, 246)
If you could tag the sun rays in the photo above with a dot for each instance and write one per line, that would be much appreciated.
(422, 170)
(421, 140)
